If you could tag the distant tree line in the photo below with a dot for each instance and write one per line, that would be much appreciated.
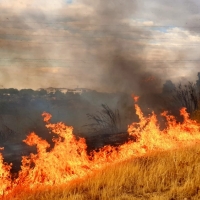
(13, 91)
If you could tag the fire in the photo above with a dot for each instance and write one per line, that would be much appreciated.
(135, 98)
(5, 179)
(68, 158)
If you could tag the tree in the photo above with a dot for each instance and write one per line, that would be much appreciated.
(168, 87)
(59, 94)
(187, 95)
(26, 92)
(41, 92)
(9, 91)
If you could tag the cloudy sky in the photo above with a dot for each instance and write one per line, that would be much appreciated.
(102, 45)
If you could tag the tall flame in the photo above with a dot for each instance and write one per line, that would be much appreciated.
(68, 158)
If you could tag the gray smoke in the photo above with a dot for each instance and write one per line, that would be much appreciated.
(119, 53)
(92, 44)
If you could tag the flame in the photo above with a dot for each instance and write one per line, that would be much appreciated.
(135, 98)
(5, 178)
(68, 158)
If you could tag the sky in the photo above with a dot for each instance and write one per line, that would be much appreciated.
(101, 45)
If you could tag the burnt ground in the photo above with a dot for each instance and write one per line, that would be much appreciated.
(98, 141)
(13, 152)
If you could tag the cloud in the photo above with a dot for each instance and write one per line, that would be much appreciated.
(171, 13)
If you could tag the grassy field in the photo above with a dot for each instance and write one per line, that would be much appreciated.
(159, 175)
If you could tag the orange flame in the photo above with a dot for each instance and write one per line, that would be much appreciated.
(135, 98)
(5, 178)
(68, 159)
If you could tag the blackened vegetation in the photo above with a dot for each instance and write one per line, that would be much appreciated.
(105, 121)
(106, 129)
(7, 133)
(184, 94)
(188, 96)
(98, 141)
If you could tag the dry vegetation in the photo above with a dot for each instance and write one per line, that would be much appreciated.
(161, 175)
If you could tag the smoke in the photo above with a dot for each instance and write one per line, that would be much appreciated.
(119, 54)
(101, 31)
(102, 45)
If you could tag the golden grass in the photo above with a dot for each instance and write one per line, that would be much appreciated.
(161, 175)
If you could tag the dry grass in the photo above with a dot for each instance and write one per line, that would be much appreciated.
(163, 175)
(196, 115)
